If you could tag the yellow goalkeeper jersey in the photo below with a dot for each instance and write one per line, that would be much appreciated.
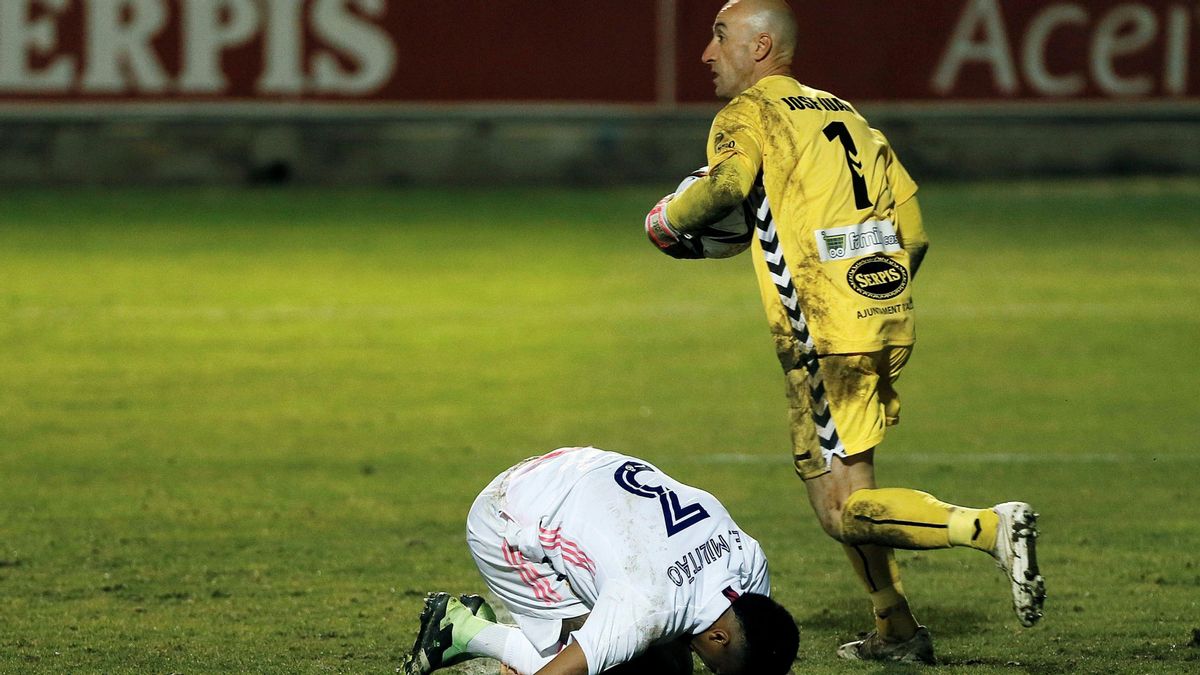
(833, 185)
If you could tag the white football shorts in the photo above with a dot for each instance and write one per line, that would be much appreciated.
(513, 565)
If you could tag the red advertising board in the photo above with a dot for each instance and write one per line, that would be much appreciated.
(606, 51)
(929, 50)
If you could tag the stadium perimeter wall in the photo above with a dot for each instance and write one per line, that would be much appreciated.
(553, 145)
(533, 92)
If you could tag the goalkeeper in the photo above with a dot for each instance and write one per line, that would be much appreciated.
(839, 241)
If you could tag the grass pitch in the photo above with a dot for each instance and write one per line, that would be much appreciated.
(239, 431)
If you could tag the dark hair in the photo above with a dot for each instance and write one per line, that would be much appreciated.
(772, 638)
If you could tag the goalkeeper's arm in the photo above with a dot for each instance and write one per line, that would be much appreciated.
(912, 233)
(714, 196)
(734, 160)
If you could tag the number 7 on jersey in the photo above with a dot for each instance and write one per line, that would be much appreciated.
(838, 131)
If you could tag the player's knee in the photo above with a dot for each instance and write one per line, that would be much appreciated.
(858, 509)
(830, 518)
(836, 504)
(842, 518)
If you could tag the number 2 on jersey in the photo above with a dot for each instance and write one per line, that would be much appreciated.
(838, 131)
(677, 517)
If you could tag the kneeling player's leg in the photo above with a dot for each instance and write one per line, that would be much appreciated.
(509, 646)
(538, 598)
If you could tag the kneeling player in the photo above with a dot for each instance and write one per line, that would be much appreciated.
(608, 565)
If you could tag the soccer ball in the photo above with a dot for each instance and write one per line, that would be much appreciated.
(729, 236)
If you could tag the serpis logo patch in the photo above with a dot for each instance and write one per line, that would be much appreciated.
(878, 278)
(856, 241)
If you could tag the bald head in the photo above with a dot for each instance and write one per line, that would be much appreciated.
(752, 39)
(773, 17)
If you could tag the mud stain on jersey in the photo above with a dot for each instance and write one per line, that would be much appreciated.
(781, 138)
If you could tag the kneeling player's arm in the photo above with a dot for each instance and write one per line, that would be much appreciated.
(622, 625)
(713, 197)
(912, 233)
(570, 661)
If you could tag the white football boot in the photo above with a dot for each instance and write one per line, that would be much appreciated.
(1016, 555)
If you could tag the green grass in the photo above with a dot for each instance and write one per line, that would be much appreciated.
(239, 431)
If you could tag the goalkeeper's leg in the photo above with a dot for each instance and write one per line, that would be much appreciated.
(871, 521)
(873, 563)
(904, 518)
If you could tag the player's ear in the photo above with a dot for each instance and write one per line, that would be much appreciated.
(762, 46)
(719, 637)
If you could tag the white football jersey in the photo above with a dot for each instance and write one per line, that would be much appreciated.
(652, 558)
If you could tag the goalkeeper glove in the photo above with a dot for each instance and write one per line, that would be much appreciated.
(668, 239)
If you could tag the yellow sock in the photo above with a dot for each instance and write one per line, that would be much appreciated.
(876, 568)
(976, 528)
(911, 519)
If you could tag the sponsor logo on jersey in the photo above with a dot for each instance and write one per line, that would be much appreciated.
(878, 278)
(898, 308)
(856, 241)
(720, 143)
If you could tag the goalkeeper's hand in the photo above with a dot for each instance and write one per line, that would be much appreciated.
(666, 238)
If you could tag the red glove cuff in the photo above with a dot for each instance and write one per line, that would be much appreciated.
(658, 229)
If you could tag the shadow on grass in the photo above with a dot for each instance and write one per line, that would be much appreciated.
(1031, 669)
(1030, 666)
(853, 620)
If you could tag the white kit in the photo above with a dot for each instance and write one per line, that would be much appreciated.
(583, 530)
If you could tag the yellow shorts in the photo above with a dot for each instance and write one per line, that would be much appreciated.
(862, 401)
